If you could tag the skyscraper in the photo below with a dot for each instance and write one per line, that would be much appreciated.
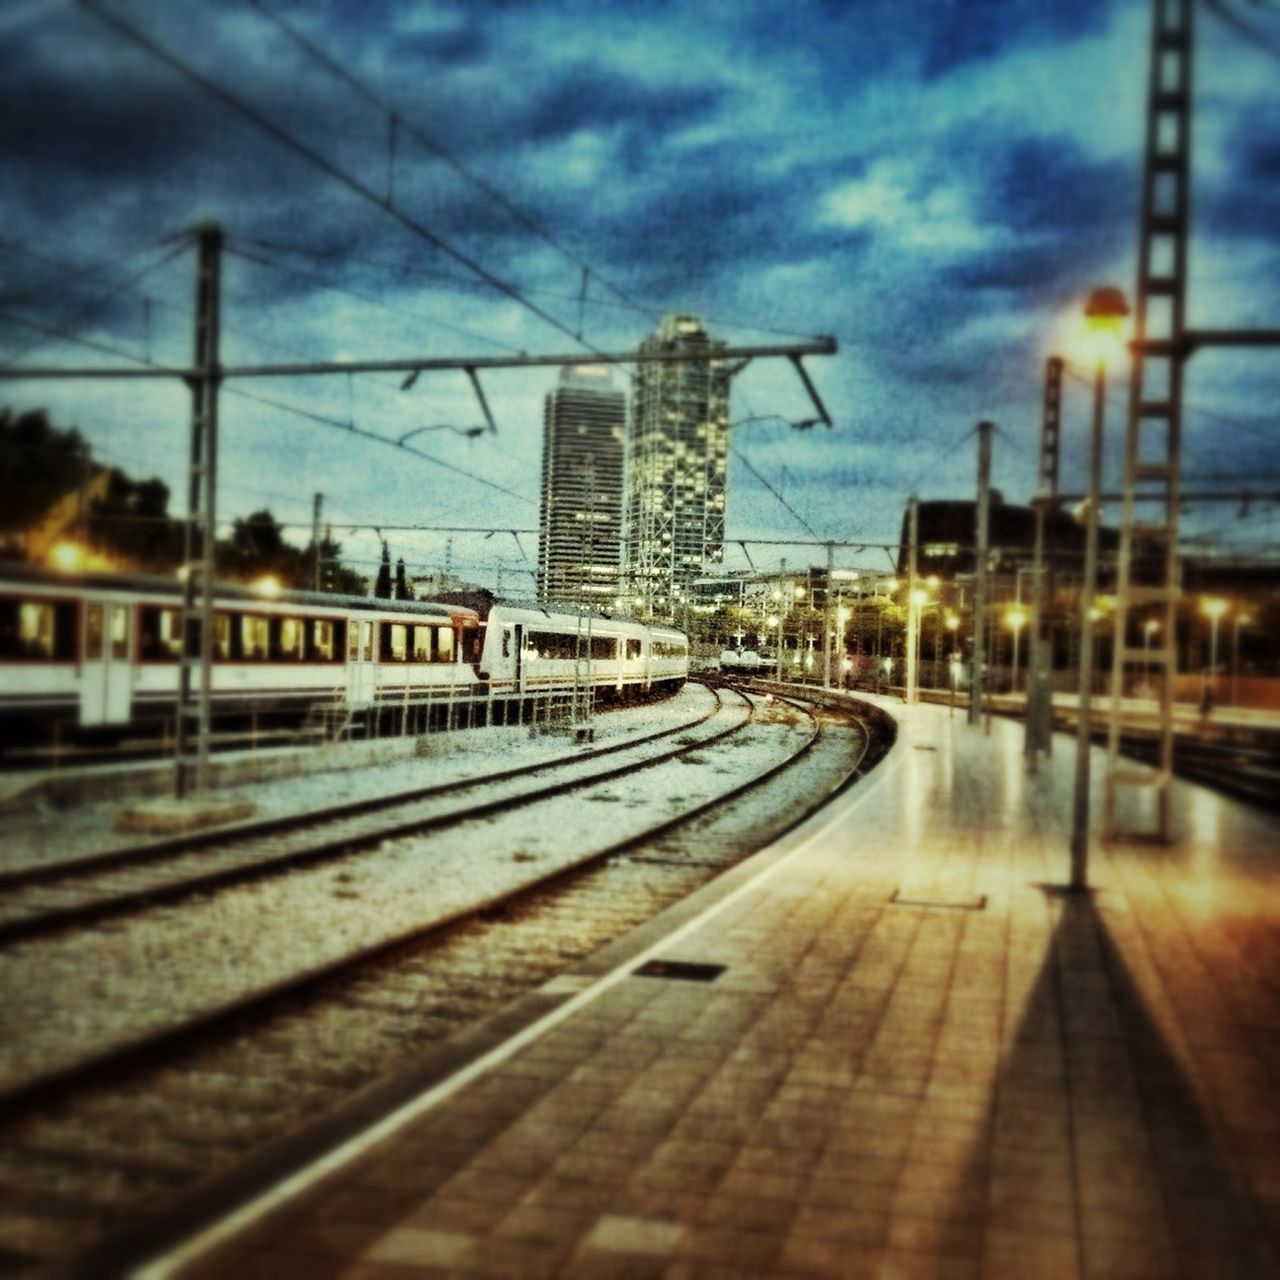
(580, 547)
(677, 460)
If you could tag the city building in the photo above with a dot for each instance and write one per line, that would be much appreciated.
(677, 462)
(583, 450)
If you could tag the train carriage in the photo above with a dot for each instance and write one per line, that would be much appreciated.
(528, 651)
(101, 650)
(92, 653)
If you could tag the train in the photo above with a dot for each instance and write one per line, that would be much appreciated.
(96, 653)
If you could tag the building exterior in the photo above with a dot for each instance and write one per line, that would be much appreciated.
(583, 450)
(677, 462)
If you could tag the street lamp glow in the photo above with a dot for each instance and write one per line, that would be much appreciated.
(919, 597)
(67, 556)
(1213, 607)
(267, 585)
(1104, 324)
(952, 622)
(1015, 619)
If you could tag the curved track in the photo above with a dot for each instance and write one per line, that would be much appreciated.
(109, 1142)
(38, 900)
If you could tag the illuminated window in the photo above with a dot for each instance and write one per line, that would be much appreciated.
(35, 629)
(92, 631)
(444, 644)
(366, 630)
(398, 647)
(222, 635)
(119, 631)
(170, 637)
(255, 637)
(291, 633)
(422, 644)
(353, 641)
(322, 639)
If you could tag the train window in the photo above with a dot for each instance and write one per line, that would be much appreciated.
(221, 635)
(633, 648)
(168, 638)
(444, 644)
(603, 648)
(353, 641)
(35, 629)
(291, 633)
(93, 633)
(255, 637)
(668, 649)
(119, 631)
(506, 642)
(322, 639)
(422, 644)
(366, 630)
(398, 644)
(38, 631)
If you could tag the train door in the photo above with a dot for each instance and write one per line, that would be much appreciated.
(106, 674)
(517, 642)
(361, 668)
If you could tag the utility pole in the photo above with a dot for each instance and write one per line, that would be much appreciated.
(316, 505)
(1039, 724)
(913, 606)
(195, 672)
(827, 621)
(1153, 445)
(1088, 593)
(983, 538)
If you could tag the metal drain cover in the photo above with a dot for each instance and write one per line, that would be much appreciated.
(679, 970)
(946, 902)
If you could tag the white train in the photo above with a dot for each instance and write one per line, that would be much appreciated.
(529, 650)
(95, 651)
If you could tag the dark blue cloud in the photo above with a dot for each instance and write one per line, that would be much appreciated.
(590, 98)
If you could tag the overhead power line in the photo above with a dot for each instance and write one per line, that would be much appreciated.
(82, 313)
(313, 157)
(397, 123)
(280, 405)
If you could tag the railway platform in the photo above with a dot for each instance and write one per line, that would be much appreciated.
(889, 1045)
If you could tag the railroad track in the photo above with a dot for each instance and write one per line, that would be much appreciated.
(92, 1155)
(36, 900)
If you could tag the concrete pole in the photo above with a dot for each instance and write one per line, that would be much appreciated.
(316, 506)
(980, 567)
(913, 609)
(195, 670)
(827, 618)
(1088, 592)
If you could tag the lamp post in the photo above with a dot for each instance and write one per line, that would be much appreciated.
(1015, 620)
(1241, 620)
(952, 623)
(1104, 314)
(1213, 608)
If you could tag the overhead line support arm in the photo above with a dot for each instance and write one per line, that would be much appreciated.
(411, 365)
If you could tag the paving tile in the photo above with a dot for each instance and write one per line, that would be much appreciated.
(1047, 1087)
(413, 1246)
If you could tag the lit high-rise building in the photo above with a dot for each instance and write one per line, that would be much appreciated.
(580, 547)
(677, 461)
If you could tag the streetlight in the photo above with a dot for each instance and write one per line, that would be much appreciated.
(1213, 607)
(1104, 316)
(1242, 620)
(953, 622)
(1015, 619)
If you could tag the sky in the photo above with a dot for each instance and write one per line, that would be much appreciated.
(936, 183)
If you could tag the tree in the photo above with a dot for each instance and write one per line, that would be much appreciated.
(404, 588)
(382, 588)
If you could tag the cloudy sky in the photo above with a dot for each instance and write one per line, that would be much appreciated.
(936, 183)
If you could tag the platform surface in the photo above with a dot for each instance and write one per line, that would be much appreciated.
(918, 1060)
